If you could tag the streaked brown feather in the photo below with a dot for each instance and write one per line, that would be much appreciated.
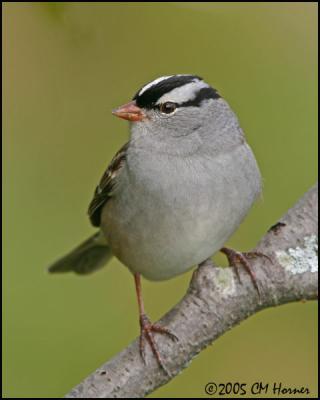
(103, 191)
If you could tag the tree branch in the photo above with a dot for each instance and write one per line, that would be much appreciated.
(216, 302)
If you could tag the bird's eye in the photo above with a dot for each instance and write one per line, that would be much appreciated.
(168, 107)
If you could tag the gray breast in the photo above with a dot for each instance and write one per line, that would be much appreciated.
(168, 215)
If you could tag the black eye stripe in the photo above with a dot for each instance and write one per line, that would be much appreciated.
(203, 94)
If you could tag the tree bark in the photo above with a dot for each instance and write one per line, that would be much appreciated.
(216, 301)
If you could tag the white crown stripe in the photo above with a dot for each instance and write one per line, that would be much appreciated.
(183, 93)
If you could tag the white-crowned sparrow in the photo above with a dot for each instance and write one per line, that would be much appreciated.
(174, 194)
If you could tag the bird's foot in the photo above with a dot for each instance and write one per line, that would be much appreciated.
(147, 330)
(236, 258)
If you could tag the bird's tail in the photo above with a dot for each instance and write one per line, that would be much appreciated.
(91, 255)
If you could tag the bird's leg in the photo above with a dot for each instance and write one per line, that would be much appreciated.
(236, 258)
(147, 328)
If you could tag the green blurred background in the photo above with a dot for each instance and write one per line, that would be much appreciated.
(65, 67)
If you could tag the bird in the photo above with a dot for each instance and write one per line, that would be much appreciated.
(174, 193)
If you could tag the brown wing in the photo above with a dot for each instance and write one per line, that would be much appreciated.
(103, 191)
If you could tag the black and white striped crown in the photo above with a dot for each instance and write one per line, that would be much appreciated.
(184, 90)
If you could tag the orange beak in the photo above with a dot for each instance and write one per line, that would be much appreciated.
(130, 112)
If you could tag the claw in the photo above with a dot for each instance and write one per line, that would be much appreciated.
(235, 258)
(142, 349)
(160, 329)
(147, 330)
(255, 254)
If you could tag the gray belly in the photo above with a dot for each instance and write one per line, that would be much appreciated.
(164, 225)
